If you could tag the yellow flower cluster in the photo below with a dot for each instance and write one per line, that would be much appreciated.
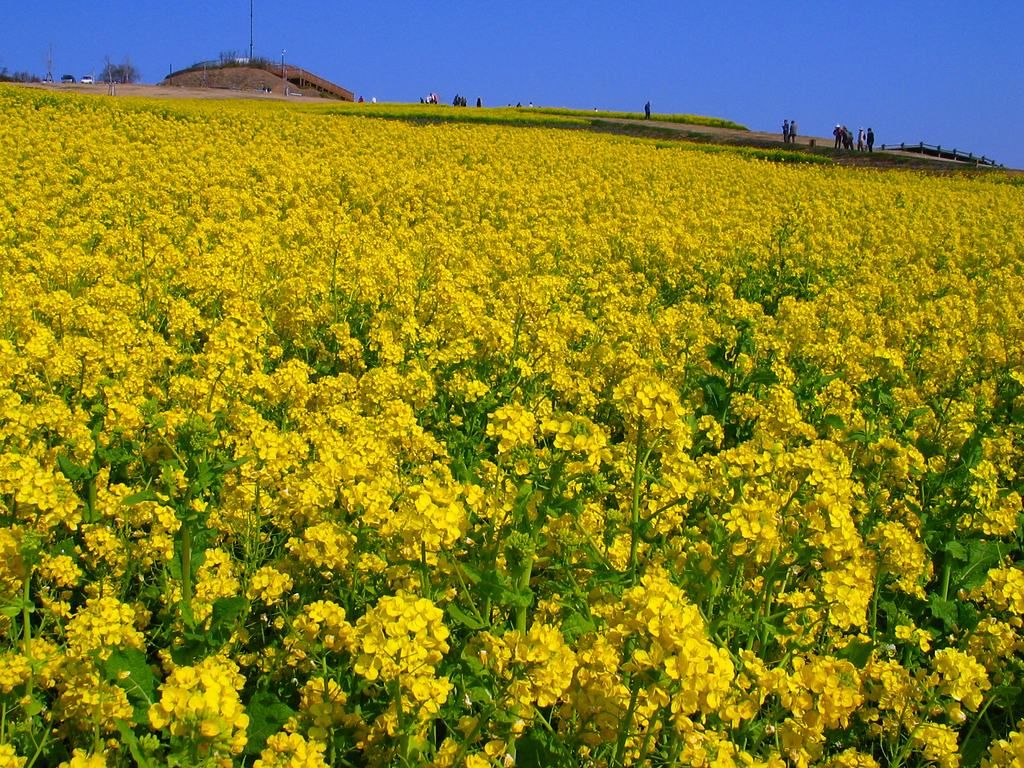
(1008, 752)
(537, 665)
(291, 750)
(513, 425)
(200, 705)
(101, 625)
(402, 636)
(671, 636)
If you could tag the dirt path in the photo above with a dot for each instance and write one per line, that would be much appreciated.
(172, 92)
(819, 145)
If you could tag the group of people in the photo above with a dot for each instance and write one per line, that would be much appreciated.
(844, 138)
(460, 101)
(865, 141)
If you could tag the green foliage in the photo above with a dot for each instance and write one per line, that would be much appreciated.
(267, 716)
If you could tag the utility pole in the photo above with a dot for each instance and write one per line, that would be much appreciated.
(250, 31)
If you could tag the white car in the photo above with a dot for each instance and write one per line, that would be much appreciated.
(87, 80)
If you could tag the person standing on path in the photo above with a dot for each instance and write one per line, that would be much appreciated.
(647, 111)
(792, 131)
(785, 131)
(871, 140)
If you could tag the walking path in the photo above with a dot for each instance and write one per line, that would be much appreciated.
(817, 144)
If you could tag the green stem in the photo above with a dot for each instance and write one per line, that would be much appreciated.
(977, 719)
(619, 758)
(424, 571)
(39, 748)
(91, 495)
(522, 584)
(644, 746)
(635, 506)
(469, 595)
(26, 618)
(405, 742)
(186, 570)
(879, 577)
(213, 388)
(947, 569)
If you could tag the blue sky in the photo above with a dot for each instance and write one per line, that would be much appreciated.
(942, 72)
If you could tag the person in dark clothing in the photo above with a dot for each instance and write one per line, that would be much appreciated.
(871, 140)
(647, 111)
(785, 131)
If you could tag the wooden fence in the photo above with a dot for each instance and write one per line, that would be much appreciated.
(935, 150)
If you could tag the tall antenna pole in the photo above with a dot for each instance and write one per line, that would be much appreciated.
(250, 30)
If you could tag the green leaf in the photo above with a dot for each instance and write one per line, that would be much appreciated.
(716, 392)
(129, 738)
(226, 610)
(944, 610)
(857, 653)
(191, 650)
(223, 621)
(72, 471)
(717, 356)
(538, 750)
(915, 414)
(136, 498)
(130, 670)
(512, 599)
(576, 624)
(967, 616)
(267, 715)
(463, 618)
(480, 694)
(763, 376)
(833, 421)
(957, 550)
(33, 707)
(970, 453)
(470, 573)
(981, 556)
(227, 466)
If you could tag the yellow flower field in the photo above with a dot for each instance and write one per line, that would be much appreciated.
(328, 440)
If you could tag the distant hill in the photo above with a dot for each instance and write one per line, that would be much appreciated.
(258, 76)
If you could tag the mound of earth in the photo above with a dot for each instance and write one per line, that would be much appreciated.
(229, 78)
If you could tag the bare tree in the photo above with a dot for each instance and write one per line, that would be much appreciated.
(125, 72)
(17, 77)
